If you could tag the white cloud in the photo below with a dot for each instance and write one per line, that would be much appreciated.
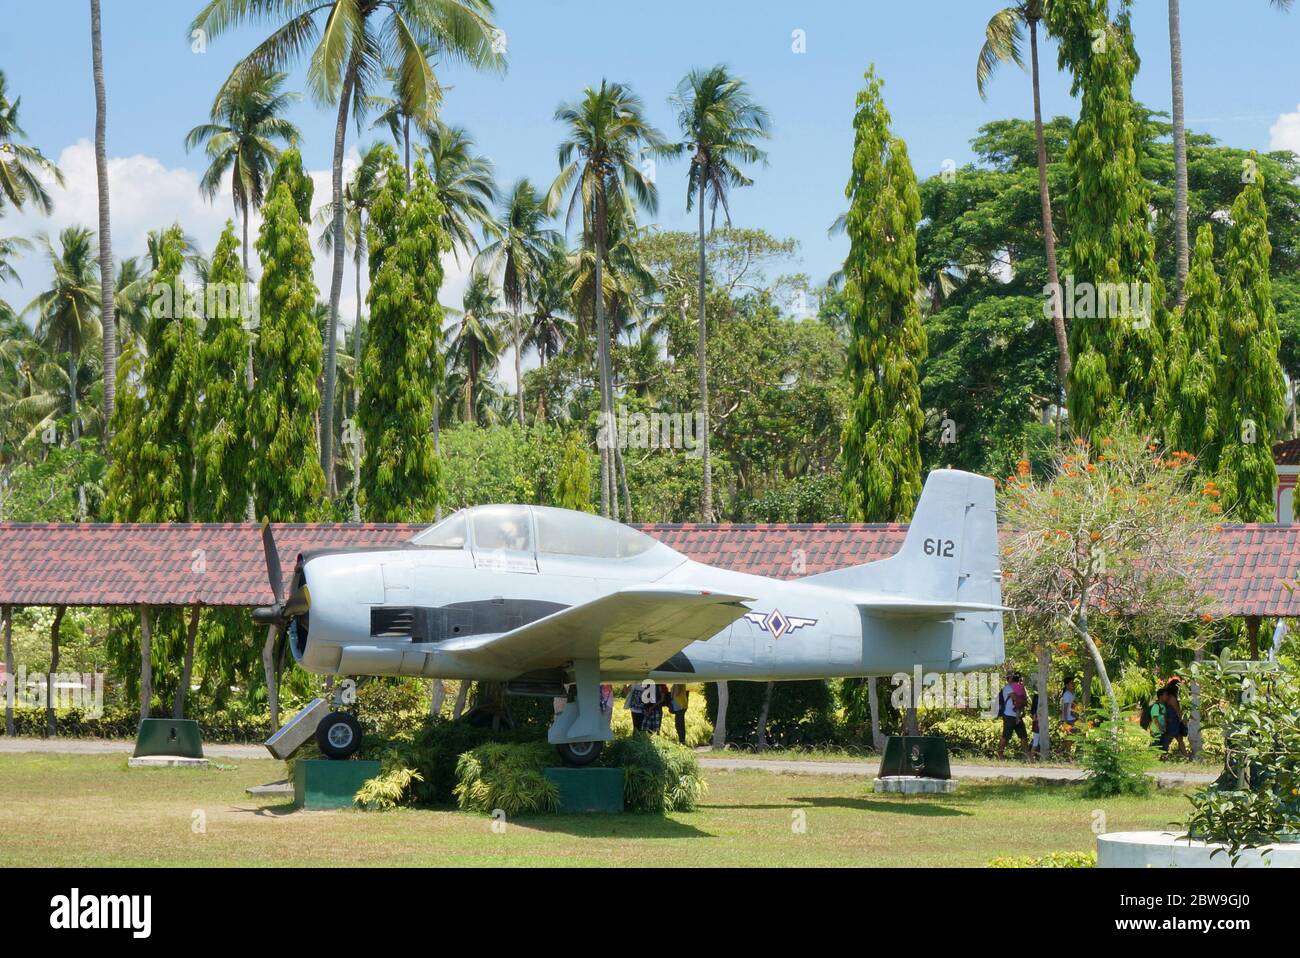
(1285, 133)
(147, 195)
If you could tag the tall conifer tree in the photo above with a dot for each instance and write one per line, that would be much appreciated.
(881, 440)
(287, 474)
(1250, 381)
(400, 476)
(222, 450)
(1118, 360)
(1193, 424)
(167, 431)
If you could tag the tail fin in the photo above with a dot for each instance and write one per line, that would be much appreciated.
(938, 602)
(948, 562)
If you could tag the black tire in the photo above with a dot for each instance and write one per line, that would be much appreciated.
(578, 754)
(339, 735)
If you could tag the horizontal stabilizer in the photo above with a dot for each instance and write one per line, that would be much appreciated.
(924, 608)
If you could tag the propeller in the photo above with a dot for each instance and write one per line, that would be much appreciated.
(282, 610)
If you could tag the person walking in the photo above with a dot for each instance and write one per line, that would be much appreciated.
(678, 701)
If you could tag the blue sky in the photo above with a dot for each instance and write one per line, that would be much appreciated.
(1241, 76)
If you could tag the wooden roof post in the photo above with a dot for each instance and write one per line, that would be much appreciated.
(51, 724)
(1252, 632)
(146, 663)
(11, 680)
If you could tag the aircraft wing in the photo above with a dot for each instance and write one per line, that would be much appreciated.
(903, 607)
(632, 630)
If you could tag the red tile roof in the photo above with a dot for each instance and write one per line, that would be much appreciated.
(222, 565)
(1287, 452)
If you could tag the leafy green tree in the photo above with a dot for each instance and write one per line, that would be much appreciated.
(720, 123)
(287, 476)
(1193, 424)
(1118, 360)
(223, 453)
(348, 53)
(881, 442)
(400, 475)
(1250, 383)
(573, 484)
(128, 497)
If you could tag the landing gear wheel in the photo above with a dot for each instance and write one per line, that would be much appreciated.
(578, 754)
(338, 735)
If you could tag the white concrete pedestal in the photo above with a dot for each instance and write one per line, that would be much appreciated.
(1166, 850)
(915, 785)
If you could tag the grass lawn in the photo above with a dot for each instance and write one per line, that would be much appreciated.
(74, 810)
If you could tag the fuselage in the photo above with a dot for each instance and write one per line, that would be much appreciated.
(411, 611)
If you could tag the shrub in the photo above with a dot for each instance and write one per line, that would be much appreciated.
(431, 754)
(801, 713)
(1262, 742)
(964, 734)
(1116, 755)
(658, 774)
(388, 789)
(699, 730)
(509, 777)
(1050, 860)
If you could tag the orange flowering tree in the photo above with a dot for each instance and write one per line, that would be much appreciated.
(1118, 529)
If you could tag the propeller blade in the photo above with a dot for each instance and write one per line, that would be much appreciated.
(272, 562)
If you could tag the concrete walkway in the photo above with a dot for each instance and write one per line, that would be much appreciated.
(1172, 778)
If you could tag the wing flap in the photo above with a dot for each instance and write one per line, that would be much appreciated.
(632, 630)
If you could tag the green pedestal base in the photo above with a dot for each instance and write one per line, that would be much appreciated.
(178, 737)
(921, 755)
(322, 783)
(588, 789)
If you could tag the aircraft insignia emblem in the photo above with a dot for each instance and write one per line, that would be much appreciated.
(777, 622)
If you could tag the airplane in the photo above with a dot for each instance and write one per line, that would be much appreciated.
(556, 602)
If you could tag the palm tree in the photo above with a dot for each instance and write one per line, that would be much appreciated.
(548, 326)
(349, 51)
(358, 196)
(21, 165)
(599, 168)
(131, 296)
(239, 138)
(477, 343)
(515, 259)
(108, 316)
(397, 111)
(10, 246)
(67, 317)
(1180, 143)
(464, 184)
(720, 123)
(1003, 37)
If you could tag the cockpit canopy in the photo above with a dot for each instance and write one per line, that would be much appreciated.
(536, 529)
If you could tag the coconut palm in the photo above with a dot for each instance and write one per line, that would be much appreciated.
(515, 259)
(606, 138)
(720, 123)
(358, 196)
(397, 113)
(548, 326)
(1003, 39)
(464, 184)
(108, 313)
(240, 139)
(10, 247)
(351, 42)
(131, 295)
(21, 165)
(67, 314)
(477, 343)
